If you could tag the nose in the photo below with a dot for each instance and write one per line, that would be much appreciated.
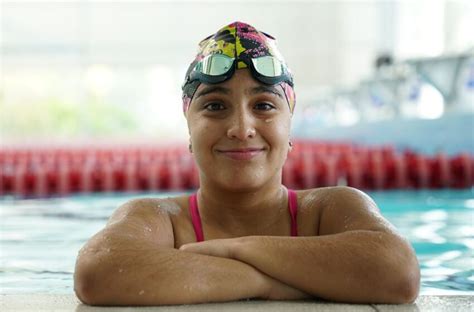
(241, 125)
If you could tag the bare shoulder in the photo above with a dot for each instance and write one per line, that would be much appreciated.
(317, 199)
(345, 196)
(143, 220)
(311, 199)
(343, 208)
(148, 209)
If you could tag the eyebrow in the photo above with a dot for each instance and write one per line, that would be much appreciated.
(212, 89)
(265, 89)
(253, 91)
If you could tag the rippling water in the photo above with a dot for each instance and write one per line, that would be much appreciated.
(39, 239)
(440, 226)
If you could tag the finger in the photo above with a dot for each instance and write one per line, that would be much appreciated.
(187, 247)
(195, 248)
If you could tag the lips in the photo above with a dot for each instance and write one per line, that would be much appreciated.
(242, 153)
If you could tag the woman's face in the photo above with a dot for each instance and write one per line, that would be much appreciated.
(239, 131)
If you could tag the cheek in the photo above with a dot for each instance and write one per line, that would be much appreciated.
(202, 135)
(280, 131)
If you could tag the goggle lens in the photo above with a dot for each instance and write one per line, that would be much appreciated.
(215, 65)
(217, 68)
(268, 66)
(218, 64)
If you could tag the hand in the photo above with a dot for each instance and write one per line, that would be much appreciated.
(223, 248)
(226, 248)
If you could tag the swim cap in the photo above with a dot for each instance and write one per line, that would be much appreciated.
(238, 45)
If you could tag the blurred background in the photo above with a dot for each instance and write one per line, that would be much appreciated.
(373, 72)
(91, 116)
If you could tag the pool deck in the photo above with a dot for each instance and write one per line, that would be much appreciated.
(38, 302)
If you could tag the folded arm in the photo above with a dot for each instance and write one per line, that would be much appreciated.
(357, 257)
(132, 261)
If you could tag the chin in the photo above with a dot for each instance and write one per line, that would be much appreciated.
(241, 187)
(244, 180)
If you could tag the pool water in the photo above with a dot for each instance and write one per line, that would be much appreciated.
(40, 238)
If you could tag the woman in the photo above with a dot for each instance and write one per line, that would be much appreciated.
(243, 234)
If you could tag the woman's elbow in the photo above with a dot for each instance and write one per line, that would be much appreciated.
(84, 288)
(86, 281)
(407, 285)
(409, 293)
(87, 285)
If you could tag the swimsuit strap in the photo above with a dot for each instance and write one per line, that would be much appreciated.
(293, 207)
(196, 219)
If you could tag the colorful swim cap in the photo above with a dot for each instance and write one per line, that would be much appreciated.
(236, 46)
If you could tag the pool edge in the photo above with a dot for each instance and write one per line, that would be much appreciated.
(69, 302)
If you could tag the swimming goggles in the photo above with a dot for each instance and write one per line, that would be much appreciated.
(217, 68)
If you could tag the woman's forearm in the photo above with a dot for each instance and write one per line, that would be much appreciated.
(358, 266)
(151, 276)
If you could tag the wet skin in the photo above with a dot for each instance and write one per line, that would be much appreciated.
(239, 131)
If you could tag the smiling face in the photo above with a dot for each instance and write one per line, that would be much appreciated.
(239, 132)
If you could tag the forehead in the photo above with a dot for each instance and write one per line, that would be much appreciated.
(241, 82)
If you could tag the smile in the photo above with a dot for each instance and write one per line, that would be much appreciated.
(242, 154)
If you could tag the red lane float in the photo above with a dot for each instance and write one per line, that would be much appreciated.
(41, 172)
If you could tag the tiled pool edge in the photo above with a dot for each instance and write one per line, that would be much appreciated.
(49, 302)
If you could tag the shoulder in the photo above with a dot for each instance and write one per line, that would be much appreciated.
(146, 219)
(333, 196)
(148, 209)
(342, 208)
(345, 195)
(336, 196)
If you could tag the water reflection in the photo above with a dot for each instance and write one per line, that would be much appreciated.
(40, 238)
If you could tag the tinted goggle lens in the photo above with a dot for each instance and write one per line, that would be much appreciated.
(218, 64)
(268, 66)
(214, 65)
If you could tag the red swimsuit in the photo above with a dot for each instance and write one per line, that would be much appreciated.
(196, 219)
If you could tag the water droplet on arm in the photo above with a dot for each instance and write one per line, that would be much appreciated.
(141, 292)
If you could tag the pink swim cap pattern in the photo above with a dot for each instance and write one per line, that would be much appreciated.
(236, 40)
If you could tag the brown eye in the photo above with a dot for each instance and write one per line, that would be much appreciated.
(264, 106)
(214, 106)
